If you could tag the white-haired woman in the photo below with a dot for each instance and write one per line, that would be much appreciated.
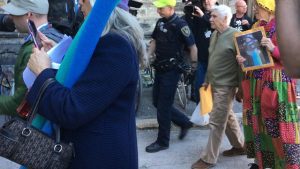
(97, 113)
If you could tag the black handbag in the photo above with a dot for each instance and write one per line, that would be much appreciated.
(26, 145)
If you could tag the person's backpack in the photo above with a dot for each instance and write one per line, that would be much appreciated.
(65, 16)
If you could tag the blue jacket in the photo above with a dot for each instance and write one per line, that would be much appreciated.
(97, 113)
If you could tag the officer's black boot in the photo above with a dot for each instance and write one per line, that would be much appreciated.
(155, 147)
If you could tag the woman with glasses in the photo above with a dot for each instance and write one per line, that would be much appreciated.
(270, 113)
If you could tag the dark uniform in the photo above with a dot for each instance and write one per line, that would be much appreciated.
(171, 35)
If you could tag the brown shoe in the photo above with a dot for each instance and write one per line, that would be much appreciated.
(234, 152)
(200, 164)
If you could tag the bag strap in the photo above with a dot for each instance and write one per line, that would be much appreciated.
(34, 109)
(37, 100)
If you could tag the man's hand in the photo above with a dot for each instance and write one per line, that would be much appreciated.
(240, 59)
(38, 61)
(267, 42)
(245, 22)
(239, 96)
(205, 85)
(198, 12)
(194, 65)
(47, 43)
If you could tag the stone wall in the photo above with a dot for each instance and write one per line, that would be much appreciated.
(10, 43)
(3, 2)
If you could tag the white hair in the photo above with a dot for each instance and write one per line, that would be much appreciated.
(123, 22)
(223, 11)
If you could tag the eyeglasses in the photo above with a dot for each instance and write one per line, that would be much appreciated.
(242, 6)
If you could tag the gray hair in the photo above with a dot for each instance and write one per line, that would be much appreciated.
(223, 11)
(127, 25)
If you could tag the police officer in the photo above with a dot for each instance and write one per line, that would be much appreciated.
(170, 35)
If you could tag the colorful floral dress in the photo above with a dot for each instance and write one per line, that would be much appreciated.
(270, 115)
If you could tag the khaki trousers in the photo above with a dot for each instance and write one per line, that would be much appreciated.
(222, 120)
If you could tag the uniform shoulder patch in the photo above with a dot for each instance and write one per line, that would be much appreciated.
(186, 31)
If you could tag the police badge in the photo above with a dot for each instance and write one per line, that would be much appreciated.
(186, 31)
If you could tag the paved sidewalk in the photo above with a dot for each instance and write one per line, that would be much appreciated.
(180, 155)
(6, 164)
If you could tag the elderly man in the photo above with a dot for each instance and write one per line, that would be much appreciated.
(170, 35)
(240, 20)
(223, 76)
(21, 11)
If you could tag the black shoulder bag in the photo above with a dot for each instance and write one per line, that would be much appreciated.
(26, 145)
